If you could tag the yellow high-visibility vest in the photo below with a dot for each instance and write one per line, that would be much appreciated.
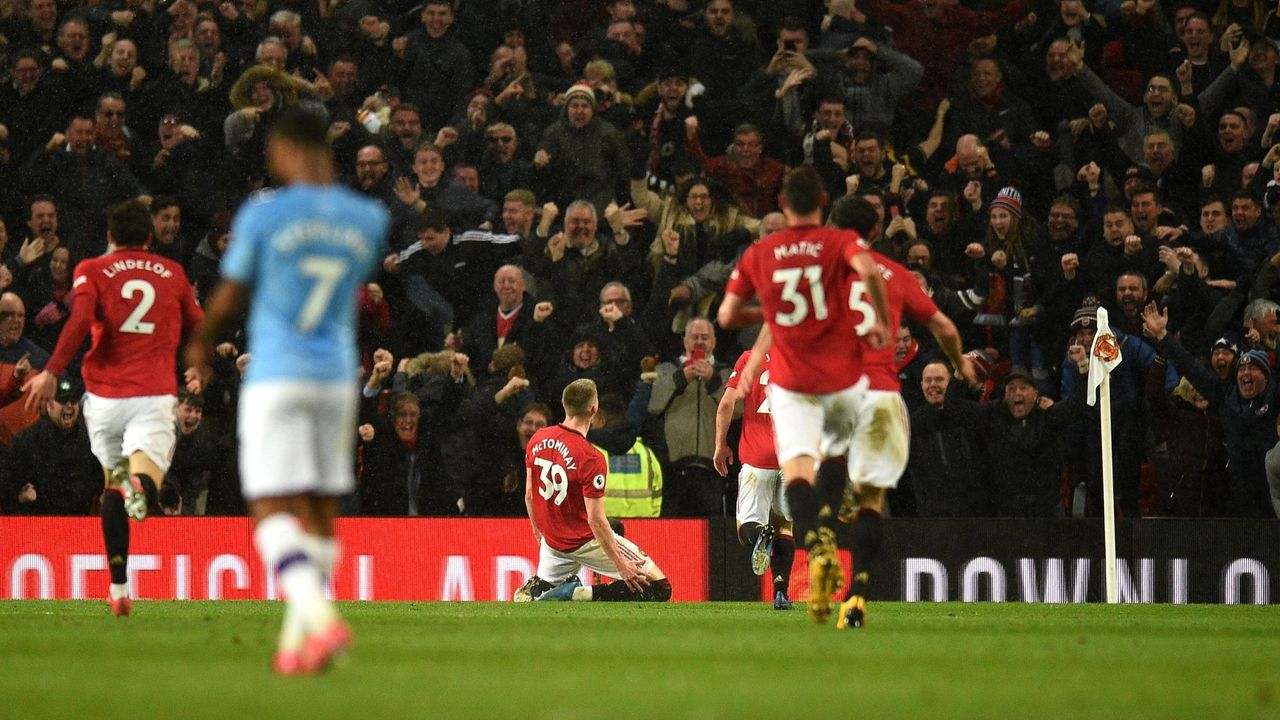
(634, 486)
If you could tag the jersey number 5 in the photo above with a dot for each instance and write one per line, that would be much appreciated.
(790, 280)
(135, 323)
(858, 303)
(554, 480)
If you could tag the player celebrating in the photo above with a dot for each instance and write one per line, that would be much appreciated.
(877, 451)
(764, 522)
(564, 494)
(301, 252)
(805, 277)
(137, 305)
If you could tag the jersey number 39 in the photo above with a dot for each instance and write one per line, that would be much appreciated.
(554, 480)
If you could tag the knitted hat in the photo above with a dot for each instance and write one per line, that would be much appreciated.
(1259, 358)
(580, 90)
(1010, 199)
(1225, 343)
(1086, 318)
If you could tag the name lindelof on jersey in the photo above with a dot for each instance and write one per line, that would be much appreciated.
(119, 266)
(559, 447)
(799, 248)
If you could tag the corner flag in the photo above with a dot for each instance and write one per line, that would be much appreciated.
(1104, 355)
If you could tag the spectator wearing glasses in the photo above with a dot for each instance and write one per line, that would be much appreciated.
(18, 356)
(501, 171)
(113, 136)
(49, 469)
(622, 341)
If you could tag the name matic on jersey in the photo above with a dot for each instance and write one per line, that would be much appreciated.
(315, 231)
(557, 446)
(152, 266)
(804, 247)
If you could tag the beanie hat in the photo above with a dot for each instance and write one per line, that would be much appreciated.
(580, 90)
(1085, 318)
(1225, 343)
(1010, 199)
(1257, 357)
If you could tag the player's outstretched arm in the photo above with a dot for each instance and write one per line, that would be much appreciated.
(528, 504)
(629, 571)
(948, 337)
(41, 386)
(227, 303)
(724, 416)
(764, 341)
(734, 313)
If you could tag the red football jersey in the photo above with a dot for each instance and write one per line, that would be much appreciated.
(906, 297)
(803, 278)
(565, 469)
(755, 447)
(142, 304)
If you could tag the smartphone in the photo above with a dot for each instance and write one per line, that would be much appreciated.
(789, 45)
(695, 355)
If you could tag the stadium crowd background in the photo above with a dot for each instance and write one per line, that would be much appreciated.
(571, 183)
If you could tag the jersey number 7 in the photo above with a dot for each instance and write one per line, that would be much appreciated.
(324, 274)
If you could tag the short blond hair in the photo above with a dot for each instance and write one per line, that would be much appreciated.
(578, 397)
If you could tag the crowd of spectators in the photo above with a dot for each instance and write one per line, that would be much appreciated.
(571, 182)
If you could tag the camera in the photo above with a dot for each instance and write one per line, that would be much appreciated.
(789, 45)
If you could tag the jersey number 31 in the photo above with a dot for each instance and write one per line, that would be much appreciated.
(789, 278)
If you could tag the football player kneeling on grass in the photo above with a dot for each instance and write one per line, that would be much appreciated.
(564, 493)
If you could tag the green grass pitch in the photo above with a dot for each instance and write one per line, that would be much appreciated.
(589, 660)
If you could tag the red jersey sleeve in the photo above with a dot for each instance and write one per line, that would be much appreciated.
(740, 281)
(737, 370)
(852, 246)
(594, 471)
(915, 303)
(192, 315)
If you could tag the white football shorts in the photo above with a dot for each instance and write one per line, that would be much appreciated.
(805, 424)
(556, 566)
(297, 438)
(119, 427)
(761, 492)
(878, 451)
(870, 427)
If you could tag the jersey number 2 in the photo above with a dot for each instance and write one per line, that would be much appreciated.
(135, 323)
(554, 480)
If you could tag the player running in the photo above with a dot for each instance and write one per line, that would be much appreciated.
(297, 258)
(805, 277)
(564, 494)
(137, 306)
(878, 450)
(764, 522)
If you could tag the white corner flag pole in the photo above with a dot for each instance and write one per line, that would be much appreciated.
(1108, 490)
(1104, 355)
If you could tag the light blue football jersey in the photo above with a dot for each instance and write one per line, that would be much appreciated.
(304, 251)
